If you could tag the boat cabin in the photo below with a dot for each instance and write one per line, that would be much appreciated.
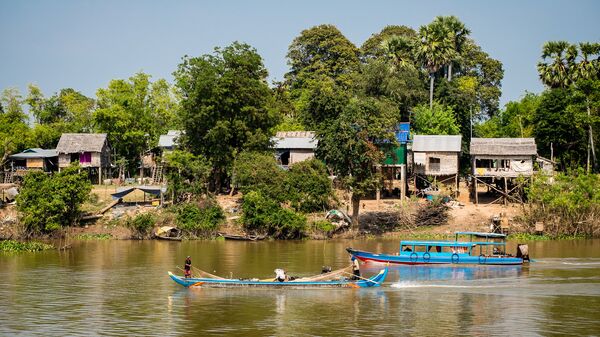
(435, 247)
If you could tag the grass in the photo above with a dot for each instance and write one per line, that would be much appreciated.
(543, 237)
(17, 246)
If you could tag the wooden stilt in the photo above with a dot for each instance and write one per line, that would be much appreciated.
(505, 192)
(475, 187)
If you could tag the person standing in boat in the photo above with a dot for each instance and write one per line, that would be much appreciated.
(355, 268)
(280, 275)
(188, 267)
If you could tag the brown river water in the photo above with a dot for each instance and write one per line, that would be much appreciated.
(121, 288)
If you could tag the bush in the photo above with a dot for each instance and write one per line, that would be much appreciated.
(16, 246)
(254, 171)
(142, 223)
(48, 203)
(199, 217)
(263, 214)
(568, 203)
(308, 186)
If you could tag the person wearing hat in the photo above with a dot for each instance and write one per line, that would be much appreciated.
(188, 267)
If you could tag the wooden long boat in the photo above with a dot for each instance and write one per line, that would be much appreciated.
(334, 279)
(491, 251)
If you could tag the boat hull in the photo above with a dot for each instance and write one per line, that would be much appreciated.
(434, 258)
(374, 281)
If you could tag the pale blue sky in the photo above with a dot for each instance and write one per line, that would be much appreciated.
(84, 44)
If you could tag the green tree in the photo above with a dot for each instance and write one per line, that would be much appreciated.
(187, 175)
(557, 68)
(48, 203)
(515, 121)
(321, 51)
(375, 45)
(14, 130)
(226, 106)
(354, 142)
(257, 171)
(438, 120)
(133, 113)
(434, 51)
(457, 32)
(308, 186)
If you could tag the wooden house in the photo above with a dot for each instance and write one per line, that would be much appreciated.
(294, 146)
(393, 169)
(169, 141)
(435, 160)
(496, 162)
(31, 159)
(90, 150)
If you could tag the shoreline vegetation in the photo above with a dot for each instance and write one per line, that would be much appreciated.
(352, 99)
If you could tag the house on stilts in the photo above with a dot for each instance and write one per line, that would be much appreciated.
(498, 163)
(90, 150)
(435, 162)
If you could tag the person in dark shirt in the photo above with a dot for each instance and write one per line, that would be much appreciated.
(188, 267)
(355, 268)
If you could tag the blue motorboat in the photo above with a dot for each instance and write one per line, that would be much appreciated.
(480, 248)
(335, 279)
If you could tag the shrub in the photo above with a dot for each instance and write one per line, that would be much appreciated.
(48, 203)
(263, 214)
(568, 203)
(308, 186)
(255, 171)
(16, 246)
(199, 217)
(142, 223)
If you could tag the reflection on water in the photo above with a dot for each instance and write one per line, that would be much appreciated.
(118, 288)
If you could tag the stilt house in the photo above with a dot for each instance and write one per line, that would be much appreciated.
(435, 160)
(497, 162)
(294, 146)
(90, 150)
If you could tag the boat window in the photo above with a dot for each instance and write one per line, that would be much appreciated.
(420, 248)
(406, 248)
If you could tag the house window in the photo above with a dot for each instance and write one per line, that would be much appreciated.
(85, 157)
(434, 164)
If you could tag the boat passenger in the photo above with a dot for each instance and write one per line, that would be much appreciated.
(407, 249)
(355, 268)
(280, 275)
(188, 267)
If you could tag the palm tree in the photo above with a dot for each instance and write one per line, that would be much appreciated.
(434, 50)
(558, 73)
(399, 50)
(458, 33)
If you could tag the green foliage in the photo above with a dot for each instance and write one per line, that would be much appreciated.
(17, 246)
(567, 203)
(262, 214)
(103, 236)
(324, 226)
(134, 113)
(199, 217)
(142, 223)
(437, 121)
(48, 203)
(374, 45)
(254, 171)
(308, 186)
(226, 105)
(187, 174)
(515, 121)
(13, 124)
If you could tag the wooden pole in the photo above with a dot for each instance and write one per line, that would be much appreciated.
(505, 192)
(402, 182)
(475, 187)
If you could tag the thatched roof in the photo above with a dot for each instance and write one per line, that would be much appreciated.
(503, 146)
(436, 143)
(81, 142)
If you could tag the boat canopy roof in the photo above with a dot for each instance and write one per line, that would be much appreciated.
(482, 235)
(437, 243)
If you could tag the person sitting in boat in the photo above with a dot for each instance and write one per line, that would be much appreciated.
(280, 275)
(355, 268)
(188, 267)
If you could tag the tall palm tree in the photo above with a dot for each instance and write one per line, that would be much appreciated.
(457, 33)
(434, 50)
(558, 73)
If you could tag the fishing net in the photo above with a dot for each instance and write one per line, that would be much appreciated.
(332, 275)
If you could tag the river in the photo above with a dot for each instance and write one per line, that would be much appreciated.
(121, 287)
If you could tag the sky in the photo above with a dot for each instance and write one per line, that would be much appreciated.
(83, 44)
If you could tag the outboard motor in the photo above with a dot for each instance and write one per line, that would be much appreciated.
(325, 270)
(523, 252)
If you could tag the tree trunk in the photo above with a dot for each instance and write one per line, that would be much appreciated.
(355, 210)
(430, 91)
(591, 143)
(450, 72)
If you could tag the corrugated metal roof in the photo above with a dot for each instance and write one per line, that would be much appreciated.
(436, 143)
(170, 139)
(35, 153)
(81, 142)
(295, 140)
(503, 146)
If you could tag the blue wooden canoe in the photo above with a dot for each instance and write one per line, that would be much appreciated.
(488, 250)
(342, 282)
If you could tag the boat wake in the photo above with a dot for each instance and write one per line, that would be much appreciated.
(404, 285)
